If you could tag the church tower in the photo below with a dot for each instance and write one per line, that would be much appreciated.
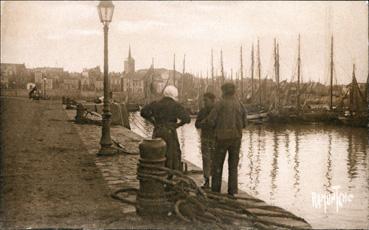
(129, 64)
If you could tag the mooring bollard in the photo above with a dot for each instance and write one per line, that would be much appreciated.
(153, 197)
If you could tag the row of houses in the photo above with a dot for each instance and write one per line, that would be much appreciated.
(18, 76)
(135, 84)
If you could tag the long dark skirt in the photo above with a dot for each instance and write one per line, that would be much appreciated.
(173, 152)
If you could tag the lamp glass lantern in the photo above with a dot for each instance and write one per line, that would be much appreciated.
(106, 10)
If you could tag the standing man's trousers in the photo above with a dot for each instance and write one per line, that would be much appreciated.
(232, 146)
(207, 151)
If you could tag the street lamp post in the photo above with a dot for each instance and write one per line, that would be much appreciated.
(106, 9)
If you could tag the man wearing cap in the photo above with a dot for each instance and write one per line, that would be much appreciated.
(167, 115)
(228, 118)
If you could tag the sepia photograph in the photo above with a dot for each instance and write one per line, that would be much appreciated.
(209, 115)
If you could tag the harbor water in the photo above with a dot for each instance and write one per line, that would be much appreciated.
(316, 171)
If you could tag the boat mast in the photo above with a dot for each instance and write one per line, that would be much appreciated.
(221, 67)
(298, 76)
(352, 91)
(275, 67)
(207, 79)
(367, 89)
(276, 70)
(149, 89)
(259, 73)
(331, 76)
(182, 78)
(241, 72)
(212, 72)
(278, 79)
(174, 70)
(252, 71)
(199, 90)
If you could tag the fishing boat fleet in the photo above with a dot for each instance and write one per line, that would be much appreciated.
(271, 100)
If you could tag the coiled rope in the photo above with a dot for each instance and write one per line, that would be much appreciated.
(198, 206)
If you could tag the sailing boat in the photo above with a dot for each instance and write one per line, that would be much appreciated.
(302, 111)
(322, 114)
(276, 111)
(357, 112)
(295, 110)
(256, 113)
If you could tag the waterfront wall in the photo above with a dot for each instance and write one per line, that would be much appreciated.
(59, 93)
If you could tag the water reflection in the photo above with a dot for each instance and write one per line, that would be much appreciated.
(274, 171)
(296, 164)
(258, 161)
(328, 174)
(351, 157)
(287, 148)
(250, 154)
(284, 164)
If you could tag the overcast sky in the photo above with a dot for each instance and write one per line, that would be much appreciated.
(69, 34)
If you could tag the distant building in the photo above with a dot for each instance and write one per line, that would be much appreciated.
(56, 74)
(99, 85)
(50, 72)
(48, 83)
(10, 69)
(38, 77)
(13, 75)
(115, 81)
(89, 77)
(70, 84)
(147, 83)
(4, 83)
(85, 82)
(129, 64)
(133, 84)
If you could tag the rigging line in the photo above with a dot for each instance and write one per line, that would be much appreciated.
(138, 129)
(339, 65)
(140, 121)
(283, 67)
(335, 81)
(271, 65)
(136, 125)
(144, 132)
(294, 73)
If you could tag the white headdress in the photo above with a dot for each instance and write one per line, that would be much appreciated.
(171, 91)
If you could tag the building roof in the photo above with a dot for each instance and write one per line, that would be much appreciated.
(161, 73)
(13, 64)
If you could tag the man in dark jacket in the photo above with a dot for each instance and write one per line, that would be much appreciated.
(164, 115)
(228, 118)
(207, 137)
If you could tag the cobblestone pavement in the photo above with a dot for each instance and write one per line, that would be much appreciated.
(119, 171)
(48, 179)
